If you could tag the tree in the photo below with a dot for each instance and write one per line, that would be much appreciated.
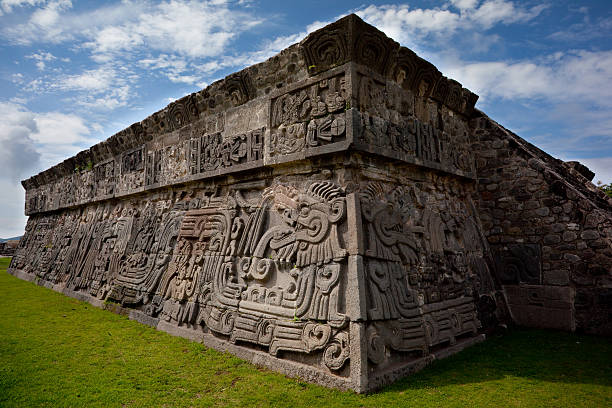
(606, 188)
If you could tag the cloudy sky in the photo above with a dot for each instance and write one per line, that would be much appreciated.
(74, 73)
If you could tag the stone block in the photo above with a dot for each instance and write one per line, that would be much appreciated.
(541, 306)
(569, 236)
(558, 277)
(588, 235)
(552, 239)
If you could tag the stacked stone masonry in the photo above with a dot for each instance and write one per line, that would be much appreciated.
(550, 230)
(338, 213)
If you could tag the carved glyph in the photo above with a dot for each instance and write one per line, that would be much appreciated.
(309, 117)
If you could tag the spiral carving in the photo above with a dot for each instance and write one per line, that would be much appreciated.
(315, 335)
(376, 346)
(337, 352)
(323, 49)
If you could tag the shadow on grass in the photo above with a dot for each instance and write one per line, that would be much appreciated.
(539, 355)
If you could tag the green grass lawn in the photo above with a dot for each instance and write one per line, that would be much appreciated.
(57, 351)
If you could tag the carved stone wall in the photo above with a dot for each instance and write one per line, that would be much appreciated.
(550, 231)
(318, 213)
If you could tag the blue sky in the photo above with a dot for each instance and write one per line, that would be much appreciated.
(74, 73)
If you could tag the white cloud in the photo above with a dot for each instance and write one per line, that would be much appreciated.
(114, 38)
(562, 77)
(12, 218)
(492, 12)
(34, 141)
(586, 30)
(7, 6)
(46, 22)
(55, 22)
(177, 38)
(104, 88)
(60, 129)
(410, 26)
(17, 78)
(164, 61)
(464, 4)
(174, 67)
(185, 27)
(40, 59)
(18, 155)
(42, 56)
(192, 29)
(95, 80)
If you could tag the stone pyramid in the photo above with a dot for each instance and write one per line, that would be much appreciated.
(339, 213)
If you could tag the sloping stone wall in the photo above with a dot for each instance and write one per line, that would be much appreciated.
(550, 229)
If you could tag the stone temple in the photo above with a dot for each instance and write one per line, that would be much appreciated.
(340, 213)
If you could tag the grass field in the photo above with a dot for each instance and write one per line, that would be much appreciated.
(56, 351)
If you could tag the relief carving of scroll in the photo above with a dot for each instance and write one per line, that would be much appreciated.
(132, 167)
(147, 254)
(373, 48)
(385, 126)
(132, 161)
(444, 321)
(309, 117)
(153, 167)
(406, 335)
(182, 112)
(422, 78)
(518, 263)
(36, 242)
(391, 249)
(420, 270)
(239, 88)
(265, 271)
(414, 73)
(324, 49)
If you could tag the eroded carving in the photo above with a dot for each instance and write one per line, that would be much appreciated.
(309, 117)
(518, 263)
(213, 152)
(387, 126)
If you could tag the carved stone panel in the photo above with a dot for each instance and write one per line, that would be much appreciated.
(153, 167)
(214, 153)
(260, 271)
(422, 271)
(309, 116)
(518, 263)
(104, 176)
(132, 161)
(387, 125)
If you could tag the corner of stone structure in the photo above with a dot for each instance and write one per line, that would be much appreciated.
(340, 213)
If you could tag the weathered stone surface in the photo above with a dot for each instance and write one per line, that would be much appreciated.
(570, 239)
(322, 214)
